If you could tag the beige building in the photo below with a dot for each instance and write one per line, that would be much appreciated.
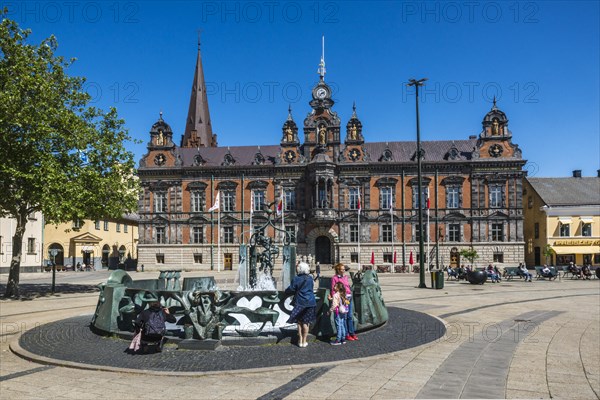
(564, 214)
(32, 256)
(99, 244)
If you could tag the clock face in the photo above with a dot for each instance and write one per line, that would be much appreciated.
(160, 159)
(321, 93)
(290, 156)
(354, 154)
(496, 150)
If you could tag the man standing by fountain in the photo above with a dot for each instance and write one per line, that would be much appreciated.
(305, 304)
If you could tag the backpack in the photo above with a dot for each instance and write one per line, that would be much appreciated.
(155, 324)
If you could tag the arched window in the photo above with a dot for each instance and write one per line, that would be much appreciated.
(105, 254)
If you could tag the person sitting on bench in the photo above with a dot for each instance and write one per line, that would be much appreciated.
(548, 273)
(452, 273)
(575, 270)
(524, 273)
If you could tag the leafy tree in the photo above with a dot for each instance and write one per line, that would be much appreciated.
(469, 254)
(58, 155)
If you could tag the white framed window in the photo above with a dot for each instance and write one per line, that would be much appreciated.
(228, 234)
(105, 225)
(497, 232)
(197, 236)
(258, 198)
(454, 232)
(30, 245)
(290, 199)
(354, 233)
(196, 201)
(160, 202)
(291, 230)
(565, 230)
(586, 229)
(495, 196)
(353, 194)
(160, 234)
(386, 233)
(118, 227)
(228, 199)
(385, 198)
(415, 198)
(452, 197)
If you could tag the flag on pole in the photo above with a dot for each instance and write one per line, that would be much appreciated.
(395, 257)
(251, 204)
(280, 206)
(427, 203)
(372, 258)
(216, 203)
(411, 260)
(358, 205)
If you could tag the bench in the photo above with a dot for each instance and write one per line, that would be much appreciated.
(538, 272)
(511, 272)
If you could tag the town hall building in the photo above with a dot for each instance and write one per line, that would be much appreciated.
(344, 198)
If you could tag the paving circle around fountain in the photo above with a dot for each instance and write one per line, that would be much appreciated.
(70, 342)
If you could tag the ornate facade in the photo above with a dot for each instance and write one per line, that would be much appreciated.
(325, 173)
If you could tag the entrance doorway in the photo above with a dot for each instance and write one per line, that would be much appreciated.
(227, 261)
(454, 258)
(323, 250)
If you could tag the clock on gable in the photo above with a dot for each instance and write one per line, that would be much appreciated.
(496, 150)
(290, 156)
(354, 154)
(160, 159)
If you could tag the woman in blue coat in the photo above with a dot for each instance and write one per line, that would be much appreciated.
(304, 312)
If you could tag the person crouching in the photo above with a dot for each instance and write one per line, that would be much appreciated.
(152, 321)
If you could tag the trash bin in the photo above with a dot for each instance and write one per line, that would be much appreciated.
(433, 280)
(439, 278)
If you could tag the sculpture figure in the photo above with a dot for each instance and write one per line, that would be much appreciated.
(495, 127)
(322, 133)
(353, 132)
(160, 140)
(289, 135)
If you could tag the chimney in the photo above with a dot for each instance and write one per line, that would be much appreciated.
(472, 136)
(598, 173)
(577, 173)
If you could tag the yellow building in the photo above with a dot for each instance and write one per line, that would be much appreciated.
(98, 244)
(564, 214)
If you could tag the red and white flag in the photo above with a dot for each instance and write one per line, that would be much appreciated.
(280, 206)
(216, 203)
(358, 205)
(251, 204)
(427, 204)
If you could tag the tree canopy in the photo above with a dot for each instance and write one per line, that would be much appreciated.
(58, 154)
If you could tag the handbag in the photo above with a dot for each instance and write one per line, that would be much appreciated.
(136, 341)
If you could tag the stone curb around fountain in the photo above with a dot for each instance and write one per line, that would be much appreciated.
(304, 354)
(16, 348)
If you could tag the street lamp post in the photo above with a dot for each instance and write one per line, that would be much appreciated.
(416, 84)
(53, 253)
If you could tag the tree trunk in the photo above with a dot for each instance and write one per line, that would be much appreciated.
(12, 286)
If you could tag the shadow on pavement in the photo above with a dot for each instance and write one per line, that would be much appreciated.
(30, 291)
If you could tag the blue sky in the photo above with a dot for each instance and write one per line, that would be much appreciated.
(540, 58)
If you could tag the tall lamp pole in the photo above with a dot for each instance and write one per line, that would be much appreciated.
(416, 84)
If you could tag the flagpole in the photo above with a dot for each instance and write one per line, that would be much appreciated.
(282, 216)
(251, 213)
(359, 209)
(427, 230)
(219, 234)
(392, 221)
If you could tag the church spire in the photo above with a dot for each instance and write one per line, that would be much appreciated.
(198, 128)
(321, 69)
